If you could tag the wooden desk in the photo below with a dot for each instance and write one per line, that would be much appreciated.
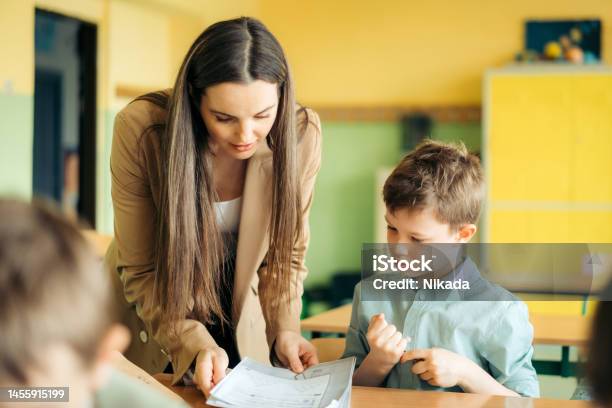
(332, 321)
(560, 330)
(367, 397)
(555, 330)
(564, 331)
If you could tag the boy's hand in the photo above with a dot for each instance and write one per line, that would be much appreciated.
(439, 367)
(386, 343)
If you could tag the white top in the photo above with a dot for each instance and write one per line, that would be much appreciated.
(228, 214)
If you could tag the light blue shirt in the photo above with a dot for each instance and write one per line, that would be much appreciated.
(125, 391)
(495, 334)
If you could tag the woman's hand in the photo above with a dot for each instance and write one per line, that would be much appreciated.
(210, 367)
(294, 351)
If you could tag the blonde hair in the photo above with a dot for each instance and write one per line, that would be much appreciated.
(52, 290)
(442, 176)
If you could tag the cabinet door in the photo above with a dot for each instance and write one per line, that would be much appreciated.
(526, 226)
(529, 137)
(593, 226)
(592, 131)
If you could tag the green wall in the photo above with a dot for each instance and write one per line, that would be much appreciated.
(342, 214)
(104, 202)
(16, 154)
(16, 138)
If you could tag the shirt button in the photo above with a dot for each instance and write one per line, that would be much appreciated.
(143, 336)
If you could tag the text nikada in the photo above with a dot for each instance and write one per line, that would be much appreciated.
(427, 284)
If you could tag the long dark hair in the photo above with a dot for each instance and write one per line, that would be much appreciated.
(190, 251)
(599, 366)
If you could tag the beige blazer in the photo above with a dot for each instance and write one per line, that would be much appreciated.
(135, 167)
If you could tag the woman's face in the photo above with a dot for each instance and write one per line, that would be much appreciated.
(239, 116)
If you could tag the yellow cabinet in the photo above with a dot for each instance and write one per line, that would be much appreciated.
(591, 116)
(547, 152)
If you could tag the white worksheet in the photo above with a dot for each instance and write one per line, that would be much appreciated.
(252, 384)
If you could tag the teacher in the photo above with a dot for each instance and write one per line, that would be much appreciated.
(212, 183)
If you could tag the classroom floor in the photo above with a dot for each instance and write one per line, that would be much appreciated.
(552, 386)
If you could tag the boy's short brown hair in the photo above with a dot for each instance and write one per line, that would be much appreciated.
(52, 290)
(443, 176)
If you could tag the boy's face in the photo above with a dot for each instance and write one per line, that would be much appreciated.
(408, 226)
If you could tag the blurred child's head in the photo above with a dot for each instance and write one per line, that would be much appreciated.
(599, 368)
(56, 315)
(434, 195)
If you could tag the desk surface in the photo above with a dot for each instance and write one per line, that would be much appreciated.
(548, 329)
(366, 397)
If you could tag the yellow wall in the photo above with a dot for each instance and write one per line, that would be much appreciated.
(16, 103)
(17, 24)
(140, 44)
(182, 35)
(399, 52)
(341, 52)
(87, 10)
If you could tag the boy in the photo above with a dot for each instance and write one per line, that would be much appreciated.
(434, 196)
(56, 315)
